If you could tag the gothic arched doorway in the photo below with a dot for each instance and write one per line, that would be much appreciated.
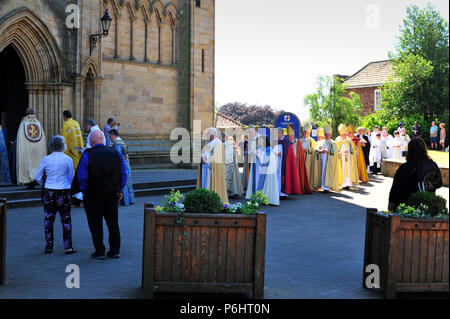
(13, 94)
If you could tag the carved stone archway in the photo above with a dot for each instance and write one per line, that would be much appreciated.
(41, 59)
(87, 88)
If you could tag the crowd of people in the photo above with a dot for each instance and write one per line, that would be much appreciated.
(287, 165)
(96, 172)
(284, 165)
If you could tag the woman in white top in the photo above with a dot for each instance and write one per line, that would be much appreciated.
(442, 136)
(55, 173)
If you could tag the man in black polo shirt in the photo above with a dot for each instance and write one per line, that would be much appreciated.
(101, 176)
(417, 130)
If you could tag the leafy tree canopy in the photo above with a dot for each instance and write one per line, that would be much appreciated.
(250, 114)
(330, 104)
(421, 66)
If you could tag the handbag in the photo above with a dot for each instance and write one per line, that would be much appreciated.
(429, 177)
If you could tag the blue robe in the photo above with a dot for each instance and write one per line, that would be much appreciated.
(128, 191)
(5, 176)
(254, 175)
(268, 180)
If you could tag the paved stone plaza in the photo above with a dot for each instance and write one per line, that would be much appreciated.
(315, 247)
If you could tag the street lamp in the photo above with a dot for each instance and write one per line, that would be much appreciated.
(106, 24)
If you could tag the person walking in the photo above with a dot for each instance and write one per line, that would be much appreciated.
(5, 175)
(91, 127)
(417, 130)
(31, 148)
(119, 145)
(71, 132)
(434, 135)
(110, 125)
(101, 176)
(55, 173)
(442, 136)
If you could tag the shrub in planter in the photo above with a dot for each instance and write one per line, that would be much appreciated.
(429, 204)
(410, 245)
(202, 201)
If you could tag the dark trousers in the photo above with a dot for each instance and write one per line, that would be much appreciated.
(57, 201)
(98, 207)
(375, 169)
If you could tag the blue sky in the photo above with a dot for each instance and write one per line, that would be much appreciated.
(271, 52)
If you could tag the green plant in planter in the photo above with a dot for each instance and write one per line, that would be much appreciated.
(250, 208)
(260, 198)
(423, 205)
(407, 211)
(171, 203)
(203, 201)
(429, 204)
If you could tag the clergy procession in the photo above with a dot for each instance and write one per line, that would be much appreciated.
(285, 165)
(278, 163)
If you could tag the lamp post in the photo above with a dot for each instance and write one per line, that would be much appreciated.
(106, 24)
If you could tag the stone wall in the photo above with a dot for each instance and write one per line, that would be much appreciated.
(390, 166)
(153, 72)
(143, 98)
(202, 72)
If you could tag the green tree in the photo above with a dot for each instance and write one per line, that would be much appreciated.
(331, 104)
(421, 66)
(404, 90)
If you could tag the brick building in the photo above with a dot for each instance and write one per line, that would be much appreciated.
(153, 72)
(367, 83)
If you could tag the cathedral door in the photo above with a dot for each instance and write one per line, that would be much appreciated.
(13, 94)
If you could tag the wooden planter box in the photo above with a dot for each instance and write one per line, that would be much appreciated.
(2, 240)
(412, 254)
(212, 254)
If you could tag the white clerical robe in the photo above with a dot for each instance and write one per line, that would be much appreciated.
(396, 146)
(405, 141)
(323, 145)
(268, 180)
(31, 149)
(88, 141)
(388, 146)
(375, 155)
(255, 167)
(212, 170)
(345, 156)
(207, 156)
(233, 176)
(278, 151)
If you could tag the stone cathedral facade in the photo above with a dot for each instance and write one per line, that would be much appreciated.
(153, 72)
